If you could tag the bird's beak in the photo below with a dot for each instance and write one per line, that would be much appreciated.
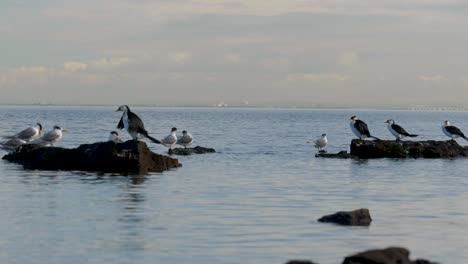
(64, 130)
(118, 139)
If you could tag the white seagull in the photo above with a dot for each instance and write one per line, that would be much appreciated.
(186, 139)
(171, 139)
(320, 143)
(29, 133)
(397, 130)
(114, 137)
(452, 132)
(133, 124)
(50, 137)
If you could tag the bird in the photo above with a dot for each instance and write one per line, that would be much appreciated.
(186, 139)
(397, 130)
(133, 124)
(171, 139)
(12, 144)
(360, 129)
(50, 137)
(28, 134)
(114, 137)
(452, 132)
(320, 143)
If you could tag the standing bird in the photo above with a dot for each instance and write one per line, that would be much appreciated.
(114, 137)
(452, 132)
(12, 144)
(171, 139)
(397, 130)
(186, 139)
(133, 124)
(320, 143)
(360, 129)
(50, 137)
(29, 133)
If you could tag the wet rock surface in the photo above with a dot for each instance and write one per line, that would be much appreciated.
(132, 157)
(359, 217)
(340, 155)
(190, 151)
(391, 255)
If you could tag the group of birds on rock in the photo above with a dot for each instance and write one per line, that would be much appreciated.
(129, 120)
(361, 130)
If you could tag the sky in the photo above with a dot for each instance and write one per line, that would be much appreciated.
(260, 52)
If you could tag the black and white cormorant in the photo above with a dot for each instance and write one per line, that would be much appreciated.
(28, 134)
(452, 132)
(360, 129)
(397, 130)
(171, 139)
(133, 124)
(186, 139)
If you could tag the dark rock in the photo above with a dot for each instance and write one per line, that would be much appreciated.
(190, 151)
(300, 262)
(360, 217)
(391, 255)
(368, 149)
(128, 157)
(340, 155)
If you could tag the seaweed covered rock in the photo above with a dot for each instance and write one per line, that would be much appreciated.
(359, 217)
(190, 151)
(128, 157)
(340, 155)
(391, 255)
(369, 149)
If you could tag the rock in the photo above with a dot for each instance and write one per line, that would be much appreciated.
(128, 157)
(368, 149)
(360, 217)
(190, 151)
(391, 255)
(340, 155)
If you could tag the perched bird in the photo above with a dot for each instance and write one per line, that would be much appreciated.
(29, 133)
(12, 144)
(186, 139)
(133, 124)
(452, 132)
(320, 143)
(360, 129)
(114, 137)
(171, 139)
(397, 130)
(50, 137)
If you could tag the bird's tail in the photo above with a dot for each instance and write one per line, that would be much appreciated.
(152, 139)
(465, 138)
(376, 138)
(412, 135)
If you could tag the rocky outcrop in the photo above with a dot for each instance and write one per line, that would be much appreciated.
(340, 155)
(391, 255)
(360, 217)
(190, 151)
(369, 149)
(132, 157)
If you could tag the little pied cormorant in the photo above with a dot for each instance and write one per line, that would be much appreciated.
(397, 130)
(360, 129)
(133, 124)
(452, 132)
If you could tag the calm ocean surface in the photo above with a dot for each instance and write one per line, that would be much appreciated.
(254, 201)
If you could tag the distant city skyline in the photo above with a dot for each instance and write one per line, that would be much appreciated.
(389, 53)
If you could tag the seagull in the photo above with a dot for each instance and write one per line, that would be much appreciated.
(29, 133)
(360, 129)
(114, 137)
(186, 139)
(397, 130)
(133, 124)
(452, 132)
(320, 143)
(12, 144)
(171, 139)
(50, 137)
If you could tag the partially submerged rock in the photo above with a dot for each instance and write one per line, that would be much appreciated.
(369, 149)
(190, 151)
(340, 155)
(391, 255)
(359, 217)
(128, 157)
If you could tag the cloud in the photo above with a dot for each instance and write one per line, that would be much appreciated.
(180, 57)
(110, 63)
(349, 59)
(74, 66)
(312, 77)
(233, 58)
(432, 78)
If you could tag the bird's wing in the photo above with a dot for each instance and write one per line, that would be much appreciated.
(169, 140)
(184, 139)
(399, 130)
(50, 136)
(135, 124)
(454, 130)
(362, 127)
(120, 125)
(27, 133)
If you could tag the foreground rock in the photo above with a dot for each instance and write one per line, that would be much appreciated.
(128, 157)
(340, 155)
(369, 149)
(391, 255)
(190, 151)
(360, 217)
